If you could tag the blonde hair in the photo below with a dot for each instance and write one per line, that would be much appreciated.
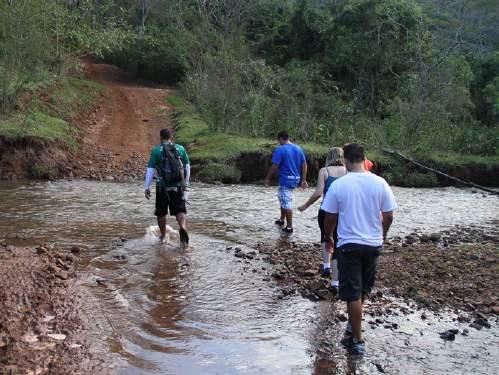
(335, 157)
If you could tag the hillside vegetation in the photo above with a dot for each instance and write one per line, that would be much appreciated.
(418, 76)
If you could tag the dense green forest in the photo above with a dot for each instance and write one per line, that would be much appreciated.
(420, 76)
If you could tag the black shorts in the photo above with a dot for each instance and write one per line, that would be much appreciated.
(357, 270)
(169, 201)
(320, 218)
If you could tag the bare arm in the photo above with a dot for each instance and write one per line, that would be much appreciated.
(319, 189)
(304, 183)
(386, 221)
(272, 171)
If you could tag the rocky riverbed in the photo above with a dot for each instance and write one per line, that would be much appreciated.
(455, 269)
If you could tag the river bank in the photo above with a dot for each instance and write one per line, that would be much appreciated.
(103, 127)
(43, 325)
(232, 159)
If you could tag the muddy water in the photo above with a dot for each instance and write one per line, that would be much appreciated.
(166, 311)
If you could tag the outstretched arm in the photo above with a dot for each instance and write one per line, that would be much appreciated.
(316, 194)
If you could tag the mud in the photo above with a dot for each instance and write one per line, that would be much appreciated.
(42, 326)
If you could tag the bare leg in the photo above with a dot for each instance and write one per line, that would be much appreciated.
(162, 225)
(355, 318)
(326, 255)
(181, 220)
(289, 217)
(334, 271)
(283, 214)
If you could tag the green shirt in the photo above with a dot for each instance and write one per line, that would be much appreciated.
(155, 158)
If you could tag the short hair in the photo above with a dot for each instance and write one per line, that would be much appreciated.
(354, 153)
(283, 134)
(166, 134)
(335, 157)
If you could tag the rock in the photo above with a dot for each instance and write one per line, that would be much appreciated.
(395, 326)
(57, 336)
(465, 332)
(483, 322)
(10, 248)
(3, 341)
(279, 275)
(30, 339)
(495, 309)
(240, 254)
(482, 316)
(409, 240)
(342, 318)
(75, 250)
(62, 275)
(476, 326)
(435, 237)
(40, 250)
(379, 368)
(309, 273)
(463, 319)
(448, 335)
(423, 316)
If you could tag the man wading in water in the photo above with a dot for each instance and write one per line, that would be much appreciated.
(289, 160)
(362, 205)
(172, 165)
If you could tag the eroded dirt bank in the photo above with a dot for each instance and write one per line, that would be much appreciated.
(114, 136)
(42, 323)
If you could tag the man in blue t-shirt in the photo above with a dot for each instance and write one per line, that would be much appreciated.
(290, 161)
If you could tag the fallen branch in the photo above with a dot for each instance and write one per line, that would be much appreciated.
(466, 183)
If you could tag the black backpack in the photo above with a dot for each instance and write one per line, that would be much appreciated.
(171, 168)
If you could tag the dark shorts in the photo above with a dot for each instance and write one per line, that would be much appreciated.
(357, 270)
(169, 201)
(320, 218)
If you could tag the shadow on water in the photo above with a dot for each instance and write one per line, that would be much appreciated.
(205, 311)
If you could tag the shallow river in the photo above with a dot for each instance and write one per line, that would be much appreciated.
(197, 311)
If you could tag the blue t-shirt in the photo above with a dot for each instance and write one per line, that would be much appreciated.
(289, 158)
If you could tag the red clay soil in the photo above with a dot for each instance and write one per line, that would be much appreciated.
(115, 137)
(120, 133)
(41, 325)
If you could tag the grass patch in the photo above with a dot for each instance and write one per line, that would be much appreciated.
(209, 145)
(49, 114)
(465, 160)
(37, 125)
(192, 129)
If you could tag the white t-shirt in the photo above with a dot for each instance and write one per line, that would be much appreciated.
(359, 198)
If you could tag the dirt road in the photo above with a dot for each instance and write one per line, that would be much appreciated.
(119, 134)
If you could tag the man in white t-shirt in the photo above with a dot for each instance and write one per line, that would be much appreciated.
(362, 205)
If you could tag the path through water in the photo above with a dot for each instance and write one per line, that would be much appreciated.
(199, 311)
